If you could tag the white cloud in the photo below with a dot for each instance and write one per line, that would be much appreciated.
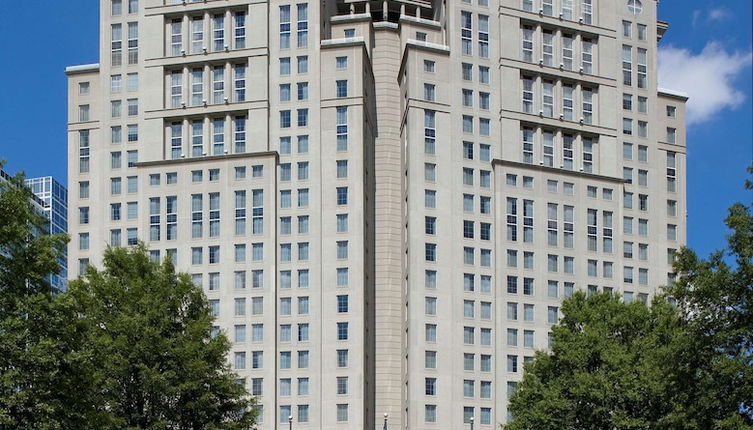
(707, 77)
(719, 14)
(696, 16)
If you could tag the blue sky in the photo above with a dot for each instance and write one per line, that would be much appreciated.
(706, 53)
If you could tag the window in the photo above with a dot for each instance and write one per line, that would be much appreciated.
(284, 66)
(466, 32)
(303, 117)
(302, 35)
(671, 135)
(342, 331)
(483, 74)
(527, 94)
(285, 119)
(587, 97)
(303, 90)
(642, 104)
(643, 177)
(285, 27)
(587, 56)
(483, 36)
(116, 42)
(342, 128)
(133, 42)
(83, 113)
(342, 88)
(342, 412)
(527, 52)
(547, 101)
(218, 33)
(132, 235)
(342, 196)
(484, 125)
(548, 46)
(430, 172)
(642, 77)
(239, 24)
(635, 6)
(642, 129)
(627, 29)
(552, 315)
(341, 62)
(303, 64)
(642, 32)
(671, 232)
(116, 83)
(218, 85)
(430, 92)
(548, 148)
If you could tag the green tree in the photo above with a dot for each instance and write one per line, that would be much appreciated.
(44, 376)
(606, 370)
(715, 296)
(628, 366)
(158, 364)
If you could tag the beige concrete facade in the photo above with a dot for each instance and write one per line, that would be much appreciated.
(384, 201)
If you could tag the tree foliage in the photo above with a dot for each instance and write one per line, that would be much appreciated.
(606, 369)
(44, 367)
(158, 364)
(126, 347)
(629, 366)
(715, 296)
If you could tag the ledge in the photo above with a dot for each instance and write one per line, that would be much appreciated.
(673, 94)
(421, 21)
(208, 158)
(82, 68)
(356, 17)
(343, 41)
(555, 170)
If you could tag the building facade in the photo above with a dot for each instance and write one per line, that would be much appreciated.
(54, 198)
(385, 201)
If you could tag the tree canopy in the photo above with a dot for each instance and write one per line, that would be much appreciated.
(44, 366)
(606, 369)
(663, 366)
(158, 364)
(129, 346)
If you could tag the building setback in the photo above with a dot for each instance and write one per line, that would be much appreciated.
(385, 202)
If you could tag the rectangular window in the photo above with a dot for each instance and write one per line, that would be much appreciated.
(483, 36)
(302, 35)
(116, 41)
(642, 77)
(239, 29)
(527, 49)
(466, 32)
(133, 43)
(627, 65)
(218, 33)
(285, 27)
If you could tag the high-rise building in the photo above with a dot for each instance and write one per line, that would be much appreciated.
(54, 198)
(385, 201)
(50, 199)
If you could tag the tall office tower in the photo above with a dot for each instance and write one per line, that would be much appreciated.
(54, 198)
(385, 201)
